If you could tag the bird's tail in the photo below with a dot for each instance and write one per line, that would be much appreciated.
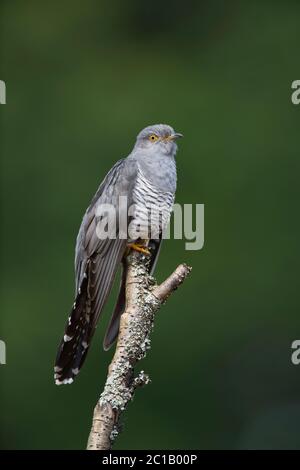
(95, 286)
(75, 343)
(113, 327)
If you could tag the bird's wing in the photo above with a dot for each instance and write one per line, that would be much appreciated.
(96, 264)
(88, 243)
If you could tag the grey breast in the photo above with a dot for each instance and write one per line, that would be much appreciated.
(153, 207)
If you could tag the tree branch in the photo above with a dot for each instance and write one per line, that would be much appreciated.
(143, 300)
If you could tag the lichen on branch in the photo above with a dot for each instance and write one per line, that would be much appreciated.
(143, 299)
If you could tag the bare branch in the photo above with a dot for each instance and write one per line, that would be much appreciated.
(166, 288)
(143, 300)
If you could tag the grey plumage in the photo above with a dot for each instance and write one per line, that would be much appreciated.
(146, 177)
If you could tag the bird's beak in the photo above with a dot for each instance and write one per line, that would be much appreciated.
(175, 136)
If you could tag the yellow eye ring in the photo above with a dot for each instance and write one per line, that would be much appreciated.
(153, 137)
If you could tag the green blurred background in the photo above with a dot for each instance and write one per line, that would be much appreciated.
(82, 79)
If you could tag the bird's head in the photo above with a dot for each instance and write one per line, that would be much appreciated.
(158, 138)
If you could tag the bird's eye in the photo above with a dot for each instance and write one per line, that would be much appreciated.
(153, 137)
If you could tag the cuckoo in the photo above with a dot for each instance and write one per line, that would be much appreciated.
(146, 179)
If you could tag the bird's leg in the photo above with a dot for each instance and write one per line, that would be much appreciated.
(141, 247)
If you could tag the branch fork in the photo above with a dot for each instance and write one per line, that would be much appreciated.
(143, 299)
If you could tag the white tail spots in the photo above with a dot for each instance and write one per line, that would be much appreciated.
(63, 382)
(67, 338)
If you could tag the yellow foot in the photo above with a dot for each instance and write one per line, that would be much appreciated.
(140, 248)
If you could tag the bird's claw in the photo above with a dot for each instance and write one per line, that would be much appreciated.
(139, 248)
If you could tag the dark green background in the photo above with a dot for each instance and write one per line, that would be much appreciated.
(82, 79)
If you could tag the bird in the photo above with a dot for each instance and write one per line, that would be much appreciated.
(147, 177)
